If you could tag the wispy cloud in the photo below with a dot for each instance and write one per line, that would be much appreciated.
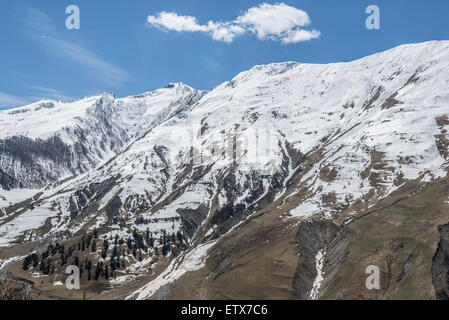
(9, 100)
(276, 22)
(49, 93)
(37, 93)
(40, 28)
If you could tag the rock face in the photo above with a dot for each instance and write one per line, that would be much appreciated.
(294, 154)
(440, 266)
(314, 239)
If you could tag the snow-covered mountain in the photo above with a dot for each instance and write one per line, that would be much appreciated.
(49, 141)
(289, 140)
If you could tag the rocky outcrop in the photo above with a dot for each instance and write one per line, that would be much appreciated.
(313, 237)
(440, 265)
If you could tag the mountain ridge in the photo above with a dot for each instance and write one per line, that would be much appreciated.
(277, 146)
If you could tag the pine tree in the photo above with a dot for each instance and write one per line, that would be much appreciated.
(164, 237)
(147, 235)
(106, 273)
(179, 236)
(94, 246)
(26, 263)
(89, 265)
(98, 271)
(112, 264)
(35, 259)
(63, 259)
(45, 255)
(165, 250)
(47, 268)
(106, 244)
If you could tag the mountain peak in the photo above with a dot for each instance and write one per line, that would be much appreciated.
(172, 85)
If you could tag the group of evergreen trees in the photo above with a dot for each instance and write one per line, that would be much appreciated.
(46, 261)
(31, 259)
(141, 220)
(137, 244)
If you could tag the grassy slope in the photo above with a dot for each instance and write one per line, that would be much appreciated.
(406, 230)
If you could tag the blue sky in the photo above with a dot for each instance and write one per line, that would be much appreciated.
(118, 50)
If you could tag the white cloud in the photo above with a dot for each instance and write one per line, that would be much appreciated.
(172, 21)
(269, 20)
(226, 32)
(295, 36)
(277, 22)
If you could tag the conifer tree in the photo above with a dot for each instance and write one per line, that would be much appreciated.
(106, 273)
(63, 259)
(26, 263)
(97, 272)
(89, 265)
(179, 236)
(105, 244)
